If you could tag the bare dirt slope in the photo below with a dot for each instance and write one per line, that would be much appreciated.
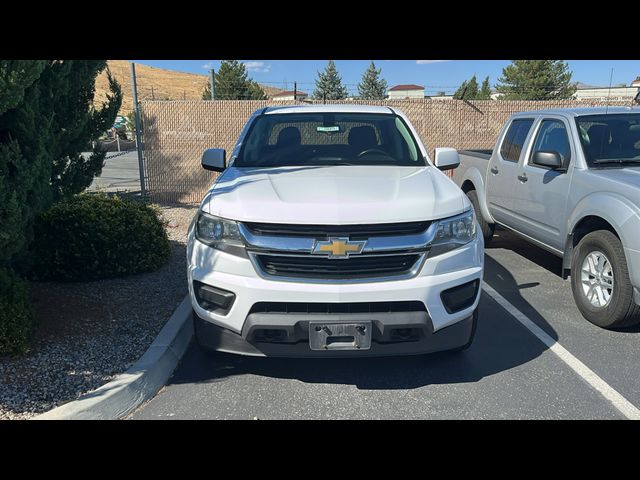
(155, 83)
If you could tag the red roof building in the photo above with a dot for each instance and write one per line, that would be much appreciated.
(406, 91)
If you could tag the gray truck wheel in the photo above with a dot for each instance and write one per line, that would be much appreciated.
(600, 281)
(486, 228)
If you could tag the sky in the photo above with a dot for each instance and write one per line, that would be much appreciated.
(435, 75)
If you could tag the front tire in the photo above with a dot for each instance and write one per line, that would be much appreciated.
(600, 281)
(486, 227)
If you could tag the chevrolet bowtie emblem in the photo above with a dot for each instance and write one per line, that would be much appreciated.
(340, 247)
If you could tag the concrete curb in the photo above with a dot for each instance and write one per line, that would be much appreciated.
(139, 383)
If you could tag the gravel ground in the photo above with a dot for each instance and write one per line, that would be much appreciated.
(90, 332)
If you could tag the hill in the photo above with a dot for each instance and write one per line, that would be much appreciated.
(155, 83)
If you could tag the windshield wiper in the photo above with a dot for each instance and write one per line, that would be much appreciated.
(601, 161)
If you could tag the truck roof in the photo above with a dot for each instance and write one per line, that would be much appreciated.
(579, 111)
(328, 109)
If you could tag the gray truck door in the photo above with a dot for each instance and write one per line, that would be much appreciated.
(503, 170)
(541, 193)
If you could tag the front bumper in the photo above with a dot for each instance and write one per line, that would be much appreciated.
(228, 330)
(296, 341)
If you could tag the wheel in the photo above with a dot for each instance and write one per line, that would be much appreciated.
(486, 227)
(600, 281)
(474, 325)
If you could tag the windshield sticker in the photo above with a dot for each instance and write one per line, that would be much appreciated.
(333, 128)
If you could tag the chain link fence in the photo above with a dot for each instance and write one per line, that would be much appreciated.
(175, 133)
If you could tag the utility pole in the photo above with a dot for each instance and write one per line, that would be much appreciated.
(136, 109)
(212, 84)
(295, 91)
(153, 97)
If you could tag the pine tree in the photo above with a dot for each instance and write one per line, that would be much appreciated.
(372, 86)
(23, 180)
(232, 82)
(536, 80)
(468, 90)
(485, 90)
(47, 119)
(461, 91)
(329, 84)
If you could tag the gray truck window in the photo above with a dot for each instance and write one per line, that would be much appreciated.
(610, 140)
(515, 138)
(552, 137)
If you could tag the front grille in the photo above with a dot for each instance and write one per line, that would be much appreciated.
(337, 308)
(366, 266)
(354, 232)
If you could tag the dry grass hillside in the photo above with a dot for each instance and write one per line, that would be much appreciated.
(155, 83)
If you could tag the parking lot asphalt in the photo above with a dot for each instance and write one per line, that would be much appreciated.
(120, 173)
(508, 373)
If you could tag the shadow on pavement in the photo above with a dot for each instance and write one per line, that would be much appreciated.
(510, 241)
(501, 343)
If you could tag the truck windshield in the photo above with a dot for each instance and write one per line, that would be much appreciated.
(314, 139)
(610, 140)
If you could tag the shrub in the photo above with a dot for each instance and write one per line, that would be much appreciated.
(91, 237)
(17, 321)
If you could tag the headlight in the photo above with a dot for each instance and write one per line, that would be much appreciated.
(219, 233)
(454, 232)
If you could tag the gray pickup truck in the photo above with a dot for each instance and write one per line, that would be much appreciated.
(568, 180)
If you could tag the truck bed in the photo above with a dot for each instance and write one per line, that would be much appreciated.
(486, 154)
(471, 158)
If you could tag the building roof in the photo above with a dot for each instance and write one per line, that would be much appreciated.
(406, 87)
(288, 93)
(583, 86)
(328, 109)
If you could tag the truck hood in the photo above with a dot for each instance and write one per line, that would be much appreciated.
(628, 176)
(334, 195)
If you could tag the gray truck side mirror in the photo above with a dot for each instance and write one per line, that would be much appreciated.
(549, 159)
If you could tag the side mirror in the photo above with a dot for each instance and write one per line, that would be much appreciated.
(214, 159)
(549, 159)
(447, 158)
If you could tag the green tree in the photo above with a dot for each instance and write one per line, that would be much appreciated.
(329, 84)
(372, 86)
(485, 90)
(536, 80)
(232, 82)
(43, 132)
(468, 90)
(47, 119)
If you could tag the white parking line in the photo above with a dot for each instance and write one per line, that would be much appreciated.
(620, 403)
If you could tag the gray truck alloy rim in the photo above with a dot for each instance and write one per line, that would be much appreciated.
(597, 279)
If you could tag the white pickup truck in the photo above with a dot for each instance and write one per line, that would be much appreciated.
(568, 180)
(330, 232)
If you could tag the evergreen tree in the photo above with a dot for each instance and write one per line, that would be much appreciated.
(23, 180)
(372, 86)
(485, 90)
(468, 90)
(232, 82)
(536, 80)
(47, 119)
(329, 84)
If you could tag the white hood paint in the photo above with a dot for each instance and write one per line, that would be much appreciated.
(334, 195)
